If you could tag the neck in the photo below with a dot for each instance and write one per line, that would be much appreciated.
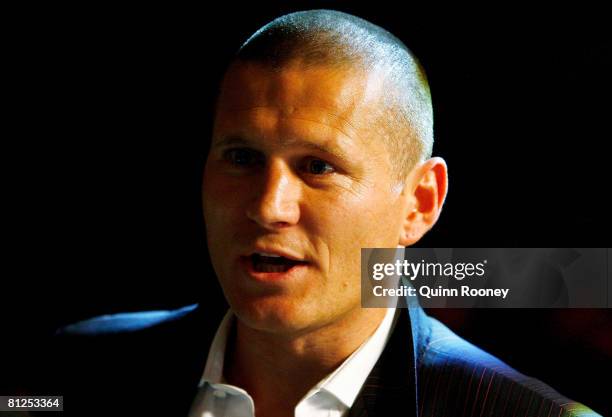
(278, 369)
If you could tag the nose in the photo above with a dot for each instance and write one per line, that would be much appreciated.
(276, 204)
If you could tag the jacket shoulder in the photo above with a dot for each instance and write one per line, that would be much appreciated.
(124, 322)
(128, 357)
(457, 378)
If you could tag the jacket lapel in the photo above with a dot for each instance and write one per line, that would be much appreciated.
(392, 384)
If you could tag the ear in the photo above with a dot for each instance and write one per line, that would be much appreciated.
(425, 191)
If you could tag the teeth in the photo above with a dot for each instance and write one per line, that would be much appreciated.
(271, 268)
(269, 255)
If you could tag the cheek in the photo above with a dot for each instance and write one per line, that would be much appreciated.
(221, 197)
(364, 220)
(346, 223)
(221, 206)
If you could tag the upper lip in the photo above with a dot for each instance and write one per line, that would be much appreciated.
(263, 249)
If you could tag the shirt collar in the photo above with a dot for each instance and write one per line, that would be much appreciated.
(213, 371)
(346, 381)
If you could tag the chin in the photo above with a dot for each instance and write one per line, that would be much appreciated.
(273, 315)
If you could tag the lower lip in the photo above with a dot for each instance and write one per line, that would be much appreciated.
(292, 273)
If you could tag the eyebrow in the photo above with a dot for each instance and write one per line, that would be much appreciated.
(287, 143)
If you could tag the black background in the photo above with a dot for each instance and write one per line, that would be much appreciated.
(106, 126)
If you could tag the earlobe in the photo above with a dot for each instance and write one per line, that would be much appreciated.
(428, 185)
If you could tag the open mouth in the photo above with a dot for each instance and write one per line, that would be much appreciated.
(272, 263)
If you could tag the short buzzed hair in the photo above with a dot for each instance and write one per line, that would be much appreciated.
(332, 38)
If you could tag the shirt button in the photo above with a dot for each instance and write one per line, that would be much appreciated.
(219, 393)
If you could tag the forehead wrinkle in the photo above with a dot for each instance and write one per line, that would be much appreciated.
(283, 116)
(328, 112)
(319, 123)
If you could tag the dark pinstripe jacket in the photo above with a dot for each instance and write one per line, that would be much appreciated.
(150, 363)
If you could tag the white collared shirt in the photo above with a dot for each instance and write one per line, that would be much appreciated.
(333, 396)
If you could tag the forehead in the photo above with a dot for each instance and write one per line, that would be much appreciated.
(342, 97)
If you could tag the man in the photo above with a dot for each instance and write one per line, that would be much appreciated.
(321, 146)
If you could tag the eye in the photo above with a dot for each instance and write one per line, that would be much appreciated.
(240, 156)
(318, 167)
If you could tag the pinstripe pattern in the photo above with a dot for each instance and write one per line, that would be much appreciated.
(453, 378)
(390, 385)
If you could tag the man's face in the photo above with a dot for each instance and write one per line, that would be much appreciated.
(296, 169)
